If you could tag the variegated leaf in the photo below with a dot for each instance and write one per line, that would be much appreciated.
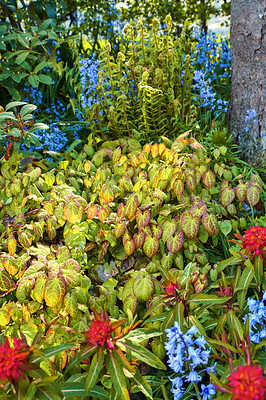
(131, 206)
(175, 243)
(198, 208)
(143, 219)
(103, 249)
(73, 211)
(253, 194)
(157, 231)
(191, 182)
(178, 187)
(208, 178)
(139, 238)
(126, 236)
(129, 247)
(102, 214)
(116, 155)
(169, 228)
(190, 225)
(154, 150)
(227, 195)
(130, 303)
(6, 282)
(143, 287)
(150, 246)
(119, 228)
(210, 223)
(241, 191)
(121, 210)
(55, 290)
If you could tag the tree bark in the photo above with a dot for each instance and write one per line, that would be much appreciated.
(248, 58)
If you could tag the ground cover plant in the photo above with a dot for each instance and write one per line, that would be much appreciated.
(133, 266)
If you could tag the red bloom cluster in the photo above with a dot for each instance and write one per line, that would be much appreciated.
(171, 288)
(254, 240)
(247, 383)
(100, 333)
(13, 360)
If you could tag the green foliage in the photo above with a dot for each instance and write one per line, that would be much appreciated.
(17, 128)
(138, 231)
(26, 55)
(147, 90)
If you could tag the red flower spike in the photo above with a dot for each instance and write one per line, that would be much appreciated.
(247, 383)
(99, 333)
(171, 288)
(13, 360)
(254, 240)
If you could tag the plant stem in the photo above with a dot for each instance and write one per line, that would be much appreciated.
(197, 390)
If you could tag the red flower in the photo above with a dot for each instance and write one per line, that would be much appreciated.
(13, 360)
(247, 383)
(99, 333)
(254, 240)
(172, 288)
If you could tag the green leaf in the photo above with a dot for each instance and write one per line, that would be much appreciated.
(219, 343)
(22, 57)
(197, 324)
(14, 104)
(33, 80)
(46, 394)
(244, 282)
(142, 354)
(52, 351)
(150, 246)
(73, 211)
(94, 371)
(22, 40)
(114, 367)
(210, 223)
(47, 80)
(258, 264)
(236, 324)
(27, 109)
(141, 384)
(54, 291)
(142, 334)
(226, 227)
(33, 139)
(29, 331)
(30, 392)
(38, 126)
(208, 299)
(40, 66)
(227, 196)
(143, 287)
(78, 389)
(156, 303)
(85, 353)
(190, 225)
(260, 345)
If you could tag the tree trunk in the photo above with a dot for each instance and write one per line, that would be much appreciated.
(248, 57)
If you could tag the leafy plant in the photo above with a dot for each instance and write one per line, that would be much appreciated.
(27, 55)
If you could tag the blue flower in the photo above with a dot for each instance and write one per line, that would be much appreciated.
(193, 376)
(257, 319)
(186, 352)
(207, 391)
